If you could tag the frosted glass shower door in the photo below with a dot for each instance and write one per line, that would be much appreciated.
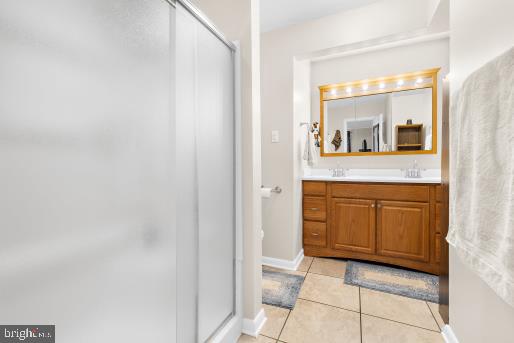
(87, 240)
(215, 139)
(205, 76)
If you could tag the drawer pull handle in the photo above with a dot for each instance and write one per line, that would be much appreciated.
(315, 234)
(314, 209)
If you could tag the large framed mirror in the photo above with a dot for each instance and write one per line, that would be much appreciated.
(392, 115)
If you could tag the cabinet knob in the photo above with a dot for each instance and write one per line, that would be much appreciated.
(372, 205)
(379, 205)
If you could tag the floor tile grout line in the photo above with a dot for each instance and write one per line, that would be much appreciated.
(310, 264)
(261, 334)
(360, 312)
(395, 321)
(283, 326)
(433, 316)
(335, 277)
(317, 302)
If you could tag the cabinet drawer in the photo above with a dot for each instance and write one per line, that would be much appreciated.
(314, 188)
(382, 192)
(314, 208)
(314, 233)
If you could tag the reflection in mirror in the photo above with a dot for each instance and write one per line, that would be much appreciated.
(341, 111)
(367, 132)
(411, 118)
(380, 116)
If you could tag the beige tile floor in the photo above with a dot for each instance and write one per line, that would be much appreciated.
(328, 310)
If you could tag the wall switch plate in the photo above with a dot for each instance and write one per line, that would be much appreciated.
(275, 136)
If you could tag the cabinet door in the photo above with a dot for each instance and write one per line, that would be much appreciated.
(353, 225)
(403, 230)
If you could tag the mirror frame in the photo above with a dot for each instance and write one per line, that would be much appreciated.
(429, 73)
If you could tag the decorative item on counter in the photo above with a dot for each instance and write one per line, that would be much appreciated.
(364, 146)
(409, 121)
(337, 140)
(315, 131)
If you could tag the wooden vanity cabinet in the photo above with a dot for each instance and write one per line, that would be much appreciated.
(389, 223)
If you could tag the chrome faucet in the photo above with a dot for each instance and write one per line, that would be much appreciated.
(338, 172)
(414, 172)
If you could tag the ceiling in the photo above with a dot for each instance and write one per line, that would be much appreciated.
(280, 13)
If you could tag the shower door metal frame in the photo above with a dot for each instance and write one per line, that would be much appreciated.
(231, 328)
(202, 18)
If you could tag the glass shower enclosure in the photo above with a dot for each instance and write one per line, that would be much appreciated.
(118, 171)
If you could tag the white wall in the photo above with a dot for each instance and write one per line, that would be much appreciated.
(481, 30)
(301, 112)
(385, 20)
(241, 23)
(420, 56)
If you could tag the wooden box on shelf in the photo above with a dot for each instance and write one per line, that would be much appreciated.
(409, 137)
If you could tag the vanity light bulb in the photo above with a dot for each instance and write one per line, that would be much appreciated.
(419, 80)
(333, 91)
(400, 83)
(365, 87)
(381, 85)
(348, 89)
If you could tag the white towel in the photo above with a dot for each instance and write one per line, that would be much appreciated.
(482, 174)
(310, 151)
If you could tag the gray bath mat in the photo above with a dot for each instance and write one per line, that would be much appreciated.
(398, 281)
(280, 289)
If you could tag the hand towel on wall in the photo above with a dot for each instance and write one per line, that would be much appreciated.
(482, 174)
(310, 151)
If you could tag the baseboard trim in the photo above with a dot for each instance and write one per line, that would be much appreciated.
(283, 264)
(449, 335)
(252, 327)
(230, 332)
